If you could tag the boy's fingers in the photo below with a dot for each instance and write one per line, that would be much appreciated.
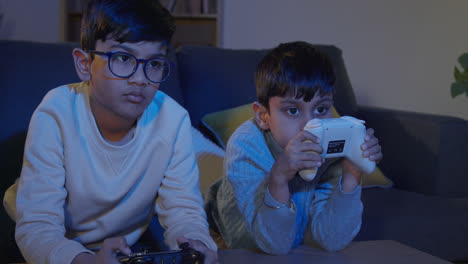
(370, 143)
(112, 245)
(376, 157)
(309, 165)
(211, 257)
(194, 244)
(374, 153)
(308, 156)
(369, 133)
(373, 150)
(181, 240)
(308, 146)
(306, 135)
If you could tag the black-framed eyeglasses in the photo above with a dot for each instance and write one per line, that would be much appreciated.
(124, 65)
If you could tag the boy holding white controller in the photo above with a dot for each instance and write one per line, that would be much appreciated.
(261, 201)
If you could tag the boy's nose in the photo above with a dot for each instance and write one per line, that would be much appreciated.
(309, 116)
(139, 76)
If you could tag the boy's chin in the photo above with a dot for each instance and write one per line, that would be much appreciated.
(132, 115)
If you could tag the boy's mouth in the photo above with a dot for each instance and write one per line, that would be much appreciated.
(135, 98)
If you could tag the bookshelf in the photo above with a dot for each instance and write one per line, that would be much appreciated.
(197, 21)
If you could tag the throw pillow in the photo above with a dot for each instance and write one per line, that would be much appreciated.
(223, 123)
(210, 159)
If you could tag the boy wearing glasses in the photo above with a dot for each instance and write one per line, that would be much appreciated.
(103, 156)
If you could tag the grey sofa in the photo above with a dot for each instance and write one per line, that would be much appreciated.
(425, 155)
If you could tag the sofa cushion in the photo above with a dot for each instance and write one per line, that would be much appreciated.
(223, 123)
(435, 225)
(210, 159)
(214, 79)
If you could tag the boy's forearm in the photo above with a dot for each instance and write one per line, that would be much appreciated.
(279, 190)
(335, 216)
(274, 227)
(351, 177)
(350, 182)
(274, 230)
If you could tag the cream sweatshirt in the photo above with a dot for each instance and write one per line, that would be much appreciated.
(76, 189)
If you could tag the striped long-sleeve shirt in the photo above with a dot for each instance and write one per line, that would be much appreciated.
(248, 216)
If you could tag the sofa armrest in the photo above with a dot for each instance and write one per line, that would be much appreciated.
(424, 153)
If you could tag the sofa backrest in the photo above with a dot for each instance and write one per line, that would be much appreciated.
(214, 79)
(30, 70)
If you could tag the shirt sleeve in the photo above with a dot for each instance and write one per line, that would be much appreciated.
(335, 216)
(179, 204)
(248, 164)
(41, 194)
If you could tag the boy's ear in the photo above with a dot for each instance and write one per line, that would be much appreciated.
(82, 64)
(261, 115)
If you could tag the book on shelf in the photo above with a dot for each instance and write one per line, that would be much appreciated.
(187, 7)
(190, 7)
(211, 7)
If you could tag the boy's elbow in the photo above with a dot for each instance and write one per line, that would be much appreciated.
(272, 240)
(334, 245)
(335, 239)
(275, 250)
(274, 247)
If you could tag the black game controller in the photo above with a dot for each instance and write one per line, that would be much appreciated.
(184, 256)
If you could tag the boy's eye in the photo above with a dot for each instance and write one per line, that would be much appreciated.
(321, 110)
(293, 111)
(155, 63)
(120, 57)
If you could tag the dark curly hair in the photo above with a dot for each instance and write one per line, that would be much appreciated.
(125, 21)
(295, 69)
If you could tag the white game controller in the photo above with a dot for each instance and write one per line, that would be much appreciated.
(339, 137)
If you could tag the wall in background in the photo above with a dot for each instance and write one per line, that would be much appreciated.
(399, 54)
(35, 20)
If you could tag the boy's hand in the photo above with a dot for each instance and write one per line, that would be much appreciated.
(107, 254)
(210, 256)
(371, 150)
(109, 250)
(302, 152)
